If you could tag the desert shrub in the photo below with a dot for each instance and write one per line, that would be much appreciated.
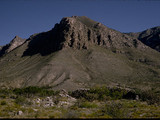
(117, 93)
(34, 90)
(150, 97)
(20, 100)
(45, 92)
(78, 94)
(30, 110)
(27, 90)
(5, 92)
(54, 115)
(91, 96)
(71, 114)
(115, 110)
(130, 95)
(4, 115)
(104, 93)
(100, 93)
(2, 96)
(3, 102)
(87, 105)
(13, 96)
(74, 107)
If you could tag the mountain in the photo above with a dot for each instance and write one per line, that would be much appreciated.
(12, 45)
(150, 37)
(79, 53)
(1, 47)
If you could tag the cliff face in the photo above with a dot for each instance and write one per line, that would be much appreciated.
(78, 53)
(79, 33)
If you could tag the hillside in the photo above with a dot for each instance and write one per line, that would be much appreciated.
(79, 53)
(150, 37)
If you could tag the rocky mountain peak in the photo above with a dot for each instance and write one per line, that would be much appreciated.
(16, 41)
(79, 32)
(75, 32)
(17, 37)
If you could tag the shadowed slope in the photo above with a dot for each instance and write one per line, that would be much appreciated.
(150, 37)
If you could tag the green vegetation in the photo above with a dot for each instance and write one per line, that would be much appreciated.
(115, 110)
(33, 90)
(87, 105)
(3, 103)
(20, 100)
(96, 102)
(105, 94)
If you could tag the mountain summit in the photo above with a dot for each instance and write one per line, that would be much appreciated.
(79, 33)
(79, 53)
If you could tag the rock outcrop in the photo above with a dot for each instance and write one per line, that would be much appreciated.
(17, 41)
(79, 33)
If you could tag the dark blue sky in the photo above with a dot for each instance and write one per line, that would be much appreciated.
(26, 17)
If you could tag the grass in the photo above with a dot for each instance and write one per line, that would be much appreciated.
(88, 105)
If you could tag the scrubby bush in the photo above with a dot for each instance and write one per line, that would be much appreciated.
(117, 93)
(90, 96)
(2, 96)
(20, 100)
(3, 102)
(115, 110)
(87, 105)
(150, 97)
(34, 90)
(104, 93)
(5, 92)
(100, 93)
(130, 95)
(71, 114)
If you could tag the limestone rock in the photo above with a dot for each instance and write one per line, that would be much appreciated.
(19, 113)
(79, 32)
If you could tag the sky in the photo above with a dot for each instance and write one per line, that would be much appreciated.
(27, 17)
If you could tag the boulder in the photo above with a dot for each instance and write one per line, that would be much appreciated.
(19, 113)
